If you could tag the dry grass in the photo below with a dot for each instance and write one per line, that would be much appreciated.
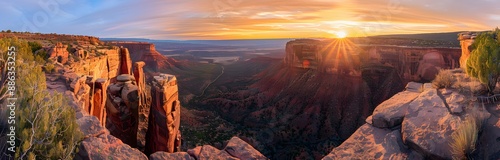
(444, 79)
(465, 138)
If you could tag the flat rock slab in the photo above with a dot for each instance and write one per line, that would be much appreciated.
(370, 142)
(428, 126)
(391, 112)
(173, 156)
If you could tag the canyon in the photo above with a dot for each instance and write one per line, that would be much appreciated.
(325, 99)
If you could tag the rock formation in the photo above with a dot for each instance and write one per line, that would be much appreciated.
(235, 149)
(98, 98)
(466, 39)
(164, 116)
(140, 80)
(122, 109)
(125, 61)
(59, 53)
(418, 124)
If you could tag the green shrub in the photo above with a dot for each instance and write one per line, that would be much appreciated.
(46, 125)
(465, 138)
(49, 67)
(484, 60)
(444, 79)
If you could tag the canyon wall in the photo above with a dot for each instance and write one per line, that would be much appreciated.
(146, 52)
(343, 56)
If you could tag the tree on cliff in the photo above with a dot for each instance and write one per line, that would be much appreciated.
(45, 125)
(484, 61)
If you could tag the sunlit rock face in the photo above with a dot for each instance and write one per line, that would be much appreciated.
(466, 39)
(164, 116)
(59, 53)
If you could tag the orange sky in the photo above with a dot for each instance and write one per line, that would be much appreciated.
(252, 19)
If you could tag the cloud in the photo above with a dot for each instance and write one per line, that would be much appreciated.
(230, 19)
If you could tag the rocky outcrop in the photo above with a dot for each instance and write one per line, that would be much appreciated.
(418, 124)
(242, 150)
(59, 53)
(99, 144)
(235, 149)
(122, 109)
(164, 116)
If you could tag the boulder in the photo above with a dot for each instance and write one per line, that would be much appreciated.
(428, 126)
(174, 156)
(370, 142)
(242, 150)
(390, 113)
(125, 78)
(106, 146)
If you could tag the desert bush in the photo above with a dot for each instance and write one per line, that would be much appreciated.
(46, 125)
(49, 67)
(464, 138)
(484, 60)
(444, 79)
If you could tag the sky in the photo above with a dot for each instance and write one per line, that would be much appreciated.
(246, 19)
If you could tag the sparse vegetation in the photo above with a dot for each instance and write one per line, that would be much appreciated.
(484, 60)
(465, 138)
(45, 125)
(444, 79)
(49, 67)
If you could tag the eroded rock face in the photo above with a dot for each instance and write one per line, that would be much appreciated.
(370, 142)
(164, 116)
(98, 98)
(122, 109)
(98, 144)
(59, 53)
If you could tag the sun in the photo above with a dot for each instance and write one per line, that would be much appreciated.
(341, 34)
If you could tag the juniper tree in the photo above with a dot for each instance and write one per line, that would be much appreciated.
(484, 60)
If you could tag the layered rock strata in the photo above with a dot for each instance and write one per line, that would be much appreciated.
(164, 116)
(122, 109)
